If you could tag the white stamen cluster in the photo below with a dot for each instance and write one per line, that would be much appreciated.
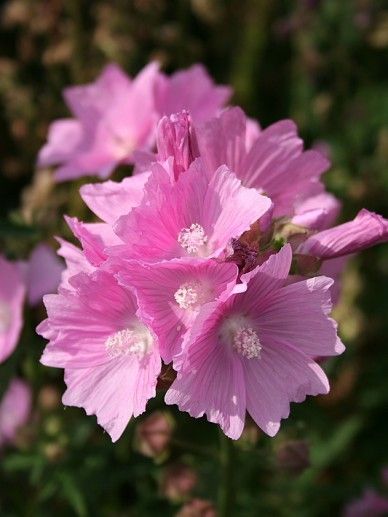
(136, 340)
(237, 332)
(186, 296)
(246, 342)
(5, 317)
(192, 238)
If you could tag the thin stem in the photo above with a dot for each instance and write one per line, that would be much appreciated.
(226, 489)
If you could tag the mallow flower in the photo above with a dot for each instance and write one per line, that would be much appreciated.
(115, 117)
(253, 351)
(110, 356)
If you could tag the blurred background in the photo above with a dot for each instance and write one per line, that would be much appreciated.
(322, 63)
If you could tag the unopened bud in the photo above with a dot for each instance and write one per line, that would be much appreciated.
(176, 137)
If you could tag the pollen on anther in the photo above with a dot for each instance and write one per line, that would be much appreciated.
(186, 296)
(246, 342)
(136, 341)
(192, 238)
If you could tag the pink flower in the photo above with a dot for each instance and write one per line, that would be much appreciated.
(176, 137)
(172, 293)
(114, 116)
(195, 217)
(253, 351)
(15, 409)
(192, 90)
(12, 294)
(371, 504)
(111, 357)
(274, 162)
(366, 230)
(43, 273)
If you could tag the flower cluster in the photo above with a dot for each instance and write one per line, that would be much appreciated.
(212, 268)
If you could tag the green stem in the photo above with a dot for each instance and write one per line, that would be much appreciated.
(226, 489)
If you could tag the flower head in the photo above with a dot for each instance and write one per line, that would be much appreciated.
(252, 352)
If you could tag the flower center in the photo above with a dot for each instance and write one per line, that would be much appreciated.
(193, 238)
(238, 333)
(136, 339)
(5, 317)
(191, 295)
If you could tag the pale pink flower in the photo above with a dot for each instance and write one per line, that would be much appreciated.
(15, 409)
(12, 294)
(111, 357)
(195, 217)
(192, 90)
(370, 504)
(274, 162)
(366, 230)
(253, 352)
(171, 293)
(114, 116)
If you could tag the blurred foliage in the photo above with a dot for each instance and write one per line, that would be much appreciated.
(322, 63)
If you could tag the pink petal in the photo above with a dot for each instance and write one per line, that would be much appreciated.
(44, 273)
(83, 319)
(15, 409)
(317, 212)
(12, 293)
(212, 383)
(297, 315)
(176, 93)
(110, 200)
(64, 139)
(115, 391)
(366, 230)
(279, 376)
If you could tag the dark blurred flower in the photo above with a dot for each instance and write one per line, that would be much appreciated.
(293, 456)
(370, 504)
(178, 481)
(153, 434)
(197, 508)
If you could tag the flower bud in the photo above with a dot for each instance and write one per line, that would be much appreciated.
(176, 137)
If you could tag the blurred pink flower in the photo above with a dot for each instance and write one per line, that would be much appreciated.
(116, 116)
(370, 504)
(43, 273)
(239, 358)
(12, 294)
(15, 409)
(192, 90)
(110, 356)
